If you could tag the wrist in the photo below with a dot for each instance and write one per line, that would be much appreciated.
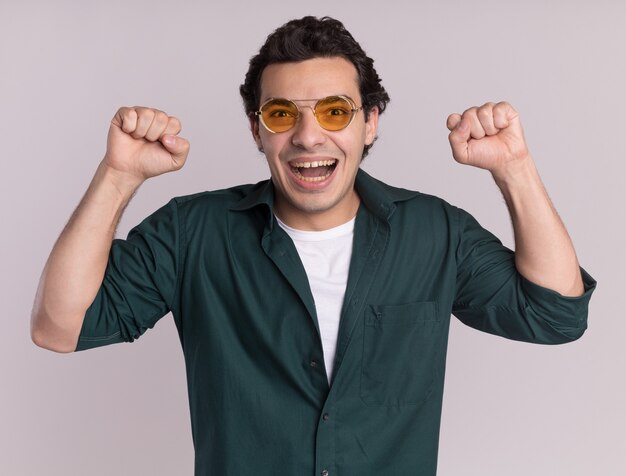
(519, 172)
(523, 191)
(110, 191)
(123, 184)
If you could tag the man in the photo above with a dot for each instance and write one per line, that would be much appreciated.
(313, 309)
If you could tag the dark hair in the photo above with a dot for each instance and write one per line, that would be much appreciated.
(307, 38)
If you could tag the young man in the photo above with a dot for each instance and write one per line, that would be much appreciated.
(313, 308)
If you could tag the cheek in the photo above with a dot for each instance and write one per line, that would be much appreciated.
(275, 150)
(358, 140)
(273, 142)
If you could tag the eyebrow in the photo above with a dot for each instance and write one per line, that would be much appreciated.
(268, 98)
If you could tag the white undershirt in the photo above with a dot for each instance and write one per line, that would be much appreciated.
(326, 259)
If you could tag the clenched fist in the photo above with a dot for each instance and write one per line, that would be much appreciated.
(489, 136)
(144, 142)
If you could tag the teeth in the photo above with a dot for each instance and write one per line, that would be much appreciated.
(319, 163)
(310, 179)
(307, 165)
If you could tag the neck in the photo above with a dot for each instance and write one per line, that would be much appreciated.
(318, 220)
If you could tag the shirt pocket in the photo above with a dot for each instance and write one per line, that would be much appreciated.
(400, 347)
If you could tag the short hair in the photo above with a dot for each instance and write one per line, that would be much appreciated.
(310, 37)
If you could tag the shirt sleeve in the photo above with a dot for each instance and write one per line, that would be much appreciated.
(140, 282)
(492, 296)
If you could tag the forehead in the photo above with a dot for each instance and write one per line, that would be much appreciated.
(310, 79)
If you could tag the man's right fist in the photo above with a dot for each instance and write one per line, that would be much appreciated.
(144, 142)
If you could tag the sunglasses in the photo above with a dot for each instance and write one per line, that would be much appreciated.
(332, 113)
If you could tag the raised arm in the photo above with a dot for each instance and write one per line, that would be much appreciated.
(142, 143)
(491, 137)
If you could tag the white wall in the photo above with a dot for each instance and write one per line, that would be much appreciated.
(510, 409)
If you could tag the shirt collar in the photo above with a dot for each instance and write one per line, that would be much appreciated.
(378, 197)
(261, 193)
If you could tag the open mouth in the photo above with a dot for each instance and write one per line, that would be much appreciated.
(315, 171)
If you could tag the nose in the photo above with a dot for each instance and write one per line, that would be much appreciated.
(307, 132)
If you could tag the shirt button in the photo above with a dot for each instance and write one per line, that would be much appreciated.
(325, 416)
(325, 472)
(313, 363)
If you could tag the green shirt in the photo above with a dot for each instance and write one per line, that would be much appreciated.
(260, 401)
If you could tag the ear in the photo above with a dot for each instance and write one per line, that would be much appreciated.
(254, 129)
(371, 126)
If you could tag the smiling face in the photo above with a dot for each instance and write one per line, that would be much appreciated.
(313, 170)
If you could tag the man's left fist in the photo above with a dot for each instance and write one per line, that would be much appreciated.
(489, 136)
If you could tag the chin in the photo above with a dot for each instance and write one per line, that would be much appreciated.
(313, 206)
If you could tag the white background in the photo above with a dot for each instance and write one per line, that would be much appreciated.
(510, 408)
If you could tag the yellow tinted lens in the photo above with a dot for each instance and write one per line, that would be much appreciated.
(279, 115)
(333, 113)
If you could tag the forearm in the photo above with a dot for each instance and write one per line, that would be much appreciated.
(544, 253)
(76, 266)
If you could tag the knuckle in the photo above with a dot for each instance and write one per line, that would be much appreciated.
(160, 117)
(503, 106)
(145, 112)
(127, 118)
(484, 114)
(175, 122)
(478, 134)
